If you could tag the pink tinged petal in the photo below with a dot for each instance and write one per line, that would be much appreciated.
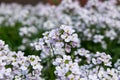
(68, 48)
(74, 44)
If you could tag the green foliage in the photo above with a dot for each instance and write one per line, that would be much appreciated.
(11, 36)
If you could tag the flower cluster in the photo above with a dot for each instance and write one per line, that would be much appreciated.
(95, 59)
(17, 66)
(101, 58)
(79, 64)
(67, 68)
(117, 64)
(57, 41)
(24, 31)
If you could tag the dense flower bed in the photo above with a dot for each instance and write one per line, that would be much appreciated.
(63, 42)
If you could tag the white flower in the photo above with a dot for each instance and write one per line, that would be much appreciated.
(23, 67)
(98, 38)
(2, 43)
(67, 29)
(111, 34)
